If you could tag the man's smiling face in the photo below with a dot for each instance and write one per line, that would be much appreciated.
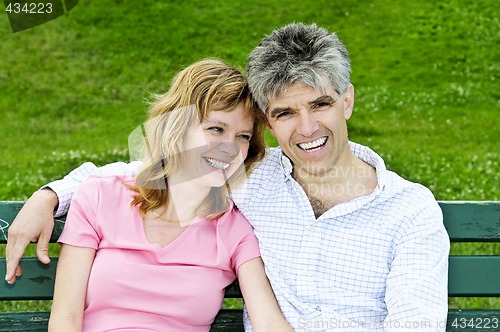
(310, 125)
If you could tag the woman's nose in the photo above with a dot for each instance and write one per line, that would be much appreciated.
(229, 148)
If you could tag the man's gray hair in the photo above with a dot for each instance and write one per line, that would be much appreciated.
(293, 53)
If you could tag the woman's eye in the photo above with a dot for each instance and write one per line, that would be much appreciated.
(217, 130)
(246, 138)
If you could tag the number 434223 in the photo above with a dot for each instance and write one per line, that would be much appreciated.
(476, 323)
(29, 8)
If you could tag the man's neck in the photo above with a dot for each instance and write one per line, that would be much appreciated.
(345, 181)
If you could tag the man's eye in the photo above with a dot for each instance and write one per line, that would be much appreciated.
(321, 106)
(283, 114)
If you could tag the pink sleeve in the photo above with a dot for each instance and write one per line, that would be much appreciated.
(240, 239)
(81, 228)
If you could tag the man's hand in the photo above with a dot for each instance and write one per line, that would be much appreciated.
(33, 223)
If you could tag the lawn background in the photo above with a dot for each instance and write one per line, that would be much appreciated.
(425, 75)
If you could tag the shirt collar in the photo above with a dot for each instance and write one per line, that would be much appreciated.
(285, 163)
(373, 159)
(362, 152)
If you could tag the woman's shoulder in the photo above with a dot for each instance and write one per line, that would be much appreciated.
(237, 236)
(109, 180)
(106, 183)
(233, 220)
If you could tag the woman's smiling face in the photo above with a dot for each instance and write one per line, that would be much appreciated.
(214, 149)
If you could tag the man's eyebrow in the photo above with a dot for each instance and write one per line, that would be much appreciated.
(323, 99)
(275, 111)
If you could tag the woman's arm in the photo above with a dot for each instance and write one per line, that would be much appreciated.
(260, 301)
(73, 270)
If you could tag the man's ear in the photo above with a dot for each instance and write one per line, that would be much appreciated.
(268, 124)
(348, 102)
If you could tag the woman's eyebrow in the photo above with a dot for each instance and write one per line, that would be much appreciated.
(225, 125)
(217, 122)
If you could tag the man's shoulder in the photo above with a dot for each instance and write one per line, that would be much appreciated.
(401, 183)
(269, 165)
(407, 192)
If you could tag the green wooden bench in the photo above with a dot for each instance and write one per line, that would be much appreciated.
(469, 276)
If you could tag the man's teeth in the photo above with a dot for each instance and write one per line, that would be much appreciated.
(314, 145)
(217, 164)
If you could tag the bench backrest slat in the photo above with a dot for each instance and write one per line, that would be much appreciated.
(475, 276)
(36, 283)
(9, 210)
(472, 221)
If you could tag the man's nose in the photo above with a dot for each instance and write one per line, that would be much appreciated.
(307, 124)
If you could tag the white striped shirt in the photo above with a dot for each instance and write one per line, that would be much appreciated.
(378, 262)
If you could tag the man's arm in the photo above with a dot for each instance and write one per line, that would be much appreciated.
(417, 292)
(35, 221)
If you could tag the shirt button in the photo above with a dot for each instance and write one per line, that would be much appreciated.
(312, 229)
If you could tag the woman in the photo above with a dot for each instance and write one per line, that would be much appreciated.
(155, 252)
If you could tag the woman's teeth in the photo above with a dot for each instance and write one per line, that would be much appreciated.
(217, 164)
(314, 145)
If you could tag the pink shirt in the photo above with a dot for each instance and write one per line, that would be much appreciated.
(135, 285)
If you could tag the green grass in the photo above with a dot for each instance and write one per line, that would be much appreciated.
(425, 75)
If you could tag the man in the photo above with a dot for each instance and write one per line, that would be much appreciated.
(347, 244)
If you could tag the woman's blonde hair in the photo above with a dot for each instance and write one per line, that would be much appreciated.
(205, 86)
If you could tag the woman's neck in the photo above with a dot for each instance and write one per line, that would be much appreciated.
(184, 198)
